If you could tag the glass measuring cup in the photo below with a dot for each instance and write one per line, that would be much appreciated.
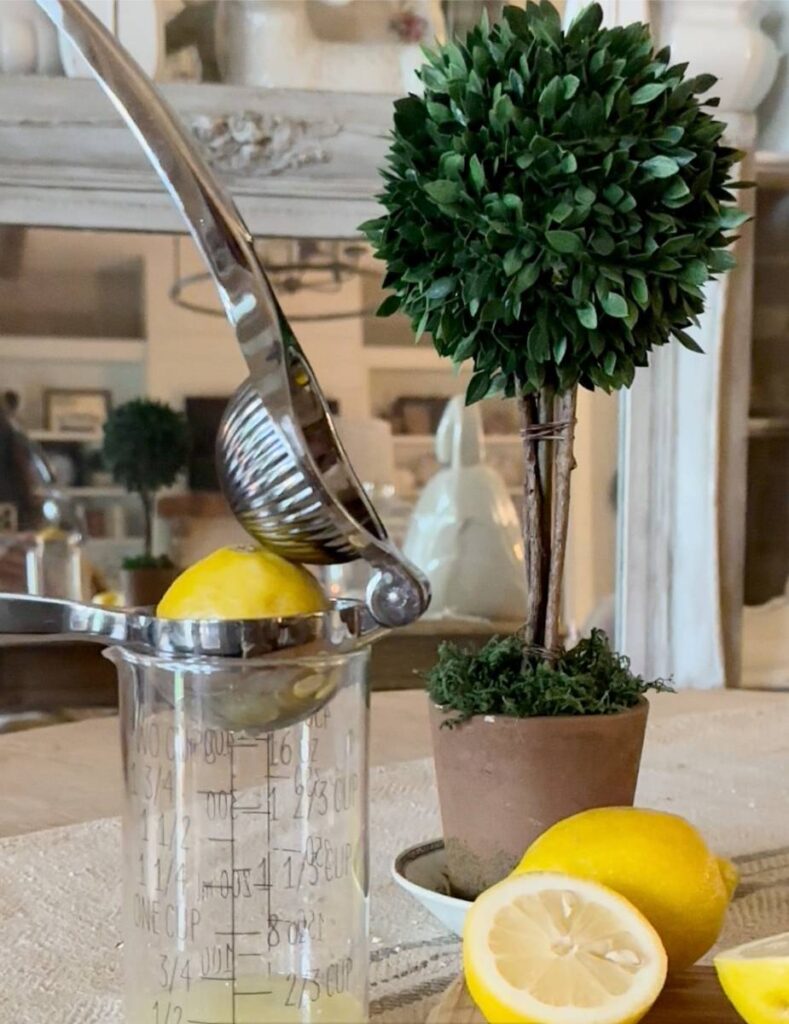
(245, 844)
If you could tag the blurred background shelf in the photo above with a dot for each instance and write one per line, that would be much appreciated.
(772, 170)
(65, 436)
(768, 426)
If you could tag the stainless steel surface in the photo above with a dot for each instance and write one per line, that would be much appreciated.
(283, 469)
(345, 626)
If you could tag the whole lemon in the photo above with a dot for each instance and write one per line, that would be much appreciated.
(658, 861)
(242, 583)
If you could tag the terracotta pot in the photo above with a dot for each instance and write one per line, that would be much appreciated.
(143, 587)
(503, 781)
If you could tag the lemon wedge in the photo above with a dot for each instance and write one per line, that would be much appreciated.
(242, 583)
(546, 948)
(755, 977)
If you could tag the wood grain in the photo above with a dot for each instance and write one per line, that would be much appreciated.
(690, 998)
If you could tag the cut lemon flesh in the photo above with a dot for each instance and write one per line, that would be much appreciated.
(755, 977)
(549, 949)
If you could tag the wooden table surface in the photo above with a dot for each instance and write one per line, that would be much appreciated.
(65, 774)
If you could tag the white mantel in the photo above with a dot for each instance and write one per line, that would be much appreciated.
(301, 164)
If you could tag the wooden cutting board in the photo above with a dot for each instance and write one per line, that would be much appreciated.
(691, 998)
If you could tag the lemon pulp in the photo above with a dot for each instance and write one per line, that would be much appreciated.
(550, 949)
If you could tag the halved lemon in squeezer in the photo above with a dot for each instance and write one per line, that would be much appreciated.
(242, 583)
(546, 948)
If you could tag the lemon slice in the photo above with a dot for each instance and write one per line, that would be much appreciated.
(755, 977)
(546, 948)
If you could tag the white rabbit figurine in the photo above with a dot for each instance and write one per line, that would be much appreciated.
(465, 532)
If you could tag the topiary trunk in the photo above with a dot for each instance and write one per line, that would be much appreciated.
(548, 434)
(147, 517)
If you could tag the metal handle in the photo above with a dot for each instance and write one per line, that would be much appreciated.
(346, 625)
(205, 205)
(46, 618)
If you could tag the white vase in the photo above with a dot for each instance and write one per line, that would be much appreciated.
(271, 43)
(137, 24)
(28, 40)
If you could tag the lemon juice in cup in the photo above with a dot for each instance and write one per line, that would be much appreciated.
(245, 819)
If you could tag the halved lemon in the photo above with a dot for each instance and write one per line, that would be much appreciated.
(755, 977)
(546, 948)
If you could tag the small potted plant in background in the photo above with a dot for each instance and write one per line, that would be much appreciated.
(555, 203)
(146, 444)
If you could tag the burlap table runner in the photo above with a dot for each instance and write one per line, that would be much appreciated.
(727, 770)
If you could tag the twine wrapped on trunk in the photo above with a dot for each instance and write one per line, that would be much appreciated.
(547, 432)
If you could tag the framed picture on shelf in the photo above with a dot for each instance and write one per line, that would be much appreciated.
(76, 411)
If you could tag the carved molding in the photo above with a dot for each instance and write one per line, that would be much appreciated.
(260, 145)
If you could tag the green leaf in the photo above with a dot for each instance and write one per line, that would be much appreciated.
(560, 348)
(372, 228)
(602, 242)
(640, 292)
(538, 344)
(701, 83)
(476, 172)
(676, 190)
(421, 327)
(465, 349)
(694, 272)
(609, 363)
(440, 288)
(410, 115)
(443, 191)
(688, 342)
(647, 93)
(478, 387)
(731, 217)
(584, 196)
(502, 112)
(615, 305)
(660, 166)
(568, 164)
(526, 278)
(570, 85)
(455, 57)
(672, 134)
(585, 24)
(439, 113)
(451, 165)
(390, 305)
(564, 241)
(721, 260)
(561, 211)
(492, 310)
(512, 262)
(549, 98)
(587, 314)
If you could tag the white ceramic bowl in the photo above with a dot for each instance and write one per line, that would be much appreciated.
(421, 872)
